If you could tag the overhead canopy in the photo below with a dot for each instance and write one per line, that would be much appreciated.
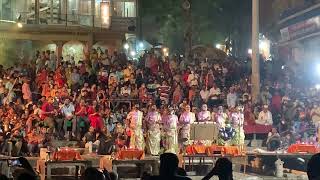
(202, 52)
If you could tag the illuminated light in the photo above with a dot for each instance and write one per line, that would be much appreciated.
(126, 46)
(249, 51)
(166, 54)
(141, 45)
(317, 69)
(318, 86)
(165, 50)
(262, 45)
(19, 25)
(218, 46)
(282, 67)
(105, 13)
(133, 53)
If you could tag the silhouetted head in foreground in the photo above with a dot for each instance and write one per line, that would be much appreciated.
(313, 168)
(168, 164)
(93, 174)
(223, 168)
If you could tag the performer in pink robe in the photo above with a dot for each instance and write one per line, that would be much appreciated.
(152, 121)
(170, 120)
(135, 123)
(185, 120)
(204, 115)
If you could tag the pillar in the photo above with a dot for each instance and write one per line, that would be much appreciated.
(255, 77)
(87, 47)
(93, 12)
(36, 11)
(51, 11)
(59, 49)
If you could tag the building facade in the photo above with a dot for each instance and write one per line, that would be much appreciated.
(299, 27)
(60, 24)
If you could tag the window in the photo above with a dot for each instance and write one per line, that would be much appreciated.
(124, 9)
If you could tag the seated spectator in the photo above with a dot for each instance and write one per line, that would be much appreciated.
(91, 137)
(70, 121)
(125, 91)
(33, 141)
(265, 117)
(48, 113)
(273, 141)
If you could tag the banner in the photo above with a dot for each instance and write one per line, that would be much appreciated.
(300, 29)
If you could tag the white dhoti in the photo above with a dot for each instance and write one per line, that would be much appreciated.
(153, 141)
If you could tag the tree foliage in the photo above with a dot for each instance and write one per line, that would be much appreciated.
(212, 20)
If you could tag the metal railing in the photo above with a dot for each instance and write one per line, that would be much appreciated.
(292, 11)
(47, 18)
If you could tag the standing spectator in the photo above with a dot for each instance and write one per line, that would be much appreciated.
(276, 103)
(27, 95)
(232, 98)
(177, 95)
(204, 93)
(164, 92)
(214, 96)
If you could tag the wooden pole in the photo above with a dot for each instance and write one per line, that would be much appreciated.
(255, 77)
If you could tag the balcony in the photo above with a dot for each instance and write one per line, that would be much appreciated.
(298, 14)
(292, 11)
(68, 14)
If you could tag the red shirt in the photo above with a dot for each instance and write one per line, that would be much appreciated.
(46, 107)
(185, 77)
(83, 113)
(276, 102)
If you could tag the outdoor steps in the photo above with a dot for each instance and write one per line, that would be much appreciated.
(64, 143)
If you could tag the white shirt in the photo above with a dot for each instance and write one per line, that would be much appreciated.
(193, 79)
(214, 92)
(68, 110)
(204, 95)
(265, 118)
(231, 100)
(125, 91)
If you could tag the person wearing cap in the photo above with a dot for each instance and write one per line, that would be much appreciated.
(204, 115)
(135, 124)
(152, 121)
(169, 121)
(185, 121)
(265, 117)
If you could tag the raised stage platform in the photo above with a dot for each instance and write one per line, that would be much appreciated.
(196, 165)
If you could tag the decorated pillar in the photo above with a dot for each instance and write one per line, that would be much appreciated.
(59, 48)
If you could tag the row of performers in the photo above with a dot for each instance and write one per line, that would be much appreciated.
(174, 132)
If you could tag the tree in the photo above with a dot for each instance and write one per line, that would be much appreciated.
(212, 21)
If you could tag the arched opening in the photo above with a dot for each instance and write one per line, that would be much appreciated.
(73, 49)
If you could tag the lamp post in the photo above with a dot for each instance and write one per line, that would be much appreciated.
(255, 77)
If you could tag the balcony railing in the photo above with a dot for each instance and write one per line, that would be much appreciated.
(86, 21)
(292, 11)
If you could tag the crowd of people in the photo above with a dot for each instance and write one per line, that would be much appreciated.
(115, 103)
